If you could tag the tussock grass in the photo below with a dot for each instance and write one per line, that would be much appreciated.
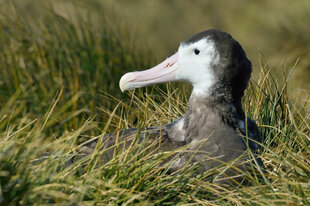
(52, 73)
(29, 177)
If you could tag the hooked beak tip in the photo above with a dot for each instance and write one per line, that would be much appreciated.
(124, 83)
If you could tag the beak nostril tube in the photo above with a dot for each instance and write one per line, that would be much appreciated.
(163, 72)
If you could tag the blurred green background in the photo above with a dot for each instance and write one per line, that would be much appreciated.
(85, 46)
(278, 30)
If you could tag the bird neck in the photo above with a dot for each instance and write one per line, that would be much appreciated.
(228, 109)
(207, 115)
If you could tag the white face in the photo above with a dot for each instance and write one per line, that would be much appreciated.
(195, 62)
(192, 63)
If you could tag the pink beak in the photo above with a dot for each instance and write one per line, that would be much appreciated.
(163, 72)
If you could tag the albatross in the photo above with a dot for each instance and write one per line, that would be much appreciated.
(214, 126)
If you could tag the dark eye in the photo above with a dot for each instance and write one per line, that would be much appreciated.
(196, 51)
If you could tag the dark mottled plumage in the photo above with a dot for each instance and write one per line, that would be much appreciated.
(214, 125)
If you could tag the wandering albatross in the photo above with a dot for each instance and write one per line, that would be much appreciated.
(214, 125)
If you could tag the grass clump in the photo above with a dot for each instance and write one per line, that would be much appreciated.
(29, 177)
(52, 72)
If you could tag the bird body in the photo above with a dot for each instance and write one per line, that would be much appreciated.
(214, 127)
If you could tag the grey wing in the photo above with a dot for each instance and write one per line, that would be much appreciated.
(253, 134)
(171, 136)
